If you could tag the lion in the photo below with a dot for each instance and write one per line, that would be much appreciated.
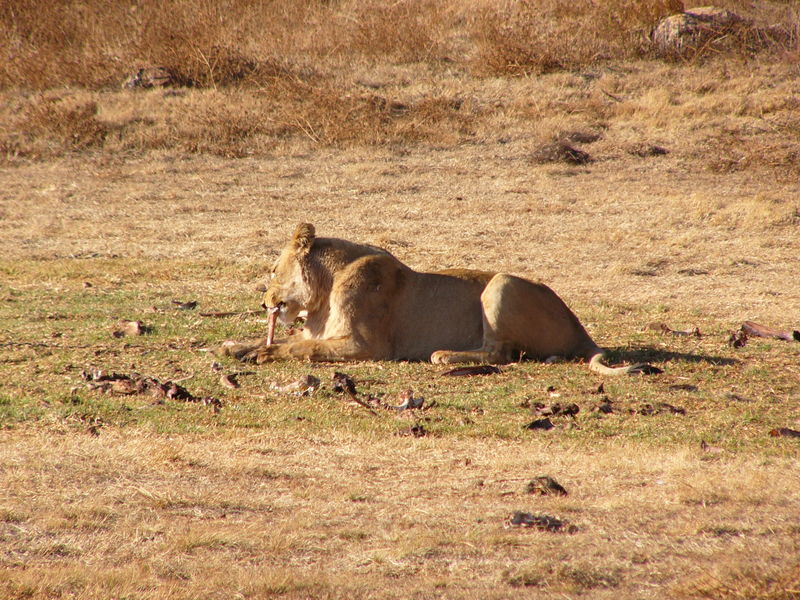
(362, 303)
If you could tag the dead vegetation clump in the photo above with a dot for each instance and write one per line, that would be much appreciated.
(97, 45)
(231, 123)
(541, 36)
(240, 80)
(52, 124)
(560, 151)
(413, 31)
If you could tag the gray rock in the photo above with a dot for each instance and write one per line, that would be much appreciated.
(694, 28)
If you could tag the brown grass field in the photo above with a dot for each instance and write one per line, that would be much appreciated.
(432, 129)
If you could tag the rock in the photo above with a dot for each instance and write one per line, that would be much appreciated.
(696, 27)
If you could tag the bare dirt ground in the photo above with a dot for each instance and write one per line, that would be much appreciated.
(655, 231)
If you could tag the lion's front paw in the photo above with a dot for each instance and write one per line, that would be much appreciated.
(236, 350)
(265, 354)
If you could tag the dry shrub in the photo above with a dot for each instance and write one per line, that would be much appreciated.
(56, 125)
(52, 44)
(738, 33)
(234, 123)
(327, 115)
(221, 129)
(411, 30)
(560, 151)
(97, 44)
(214, 44)
(521, 37)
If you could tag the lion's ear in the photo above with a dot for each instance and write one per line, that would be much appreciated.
(303, 238)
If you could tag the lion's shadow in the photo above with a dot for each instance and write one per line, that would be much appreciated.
(648, 354)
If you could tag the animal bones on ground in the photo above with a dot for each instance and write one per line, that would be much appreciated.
(273, 317)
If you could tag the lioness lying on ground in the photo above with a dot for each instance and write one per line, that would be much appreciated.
(362, 303)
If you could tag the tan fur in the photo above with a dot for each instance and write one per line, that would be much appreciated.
(364, 304)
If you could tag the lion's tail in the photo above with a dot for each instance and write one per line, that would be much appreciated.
(596, 364)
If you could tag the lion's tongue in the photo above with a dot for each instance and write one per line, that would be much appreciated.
(273, 317)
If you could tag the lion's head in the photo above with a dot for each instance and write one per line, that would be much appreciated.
(289, 289)
(302, 277)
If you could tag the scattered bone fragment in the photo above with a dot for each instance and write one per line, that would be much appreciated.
(129, 328)
(785, 432)
(343, 383)
(556, 410)
(658, 408)
(217, 314)
(408, 401)
(229, 381)
(667, 330)
(541, 522)
(605, 407)
(181, 305)
(304, 386)
(755, 330)
(540, 424)
(417, 430)
(709, 449)
(272, 320)
(125, 385)
(545, 486)
(738, 339)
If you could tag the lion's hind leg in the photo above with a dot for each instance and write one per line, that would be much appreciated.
(523, 318)
(492, 350)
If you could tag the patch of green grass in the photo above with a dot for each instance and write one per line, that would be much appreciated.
(54, 332)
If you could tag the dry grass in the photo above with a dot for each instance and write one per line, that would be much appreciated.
(419, 126)
(330, 516)
(386, 74)
(253, 43)
(309, 497)
(534, 36)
